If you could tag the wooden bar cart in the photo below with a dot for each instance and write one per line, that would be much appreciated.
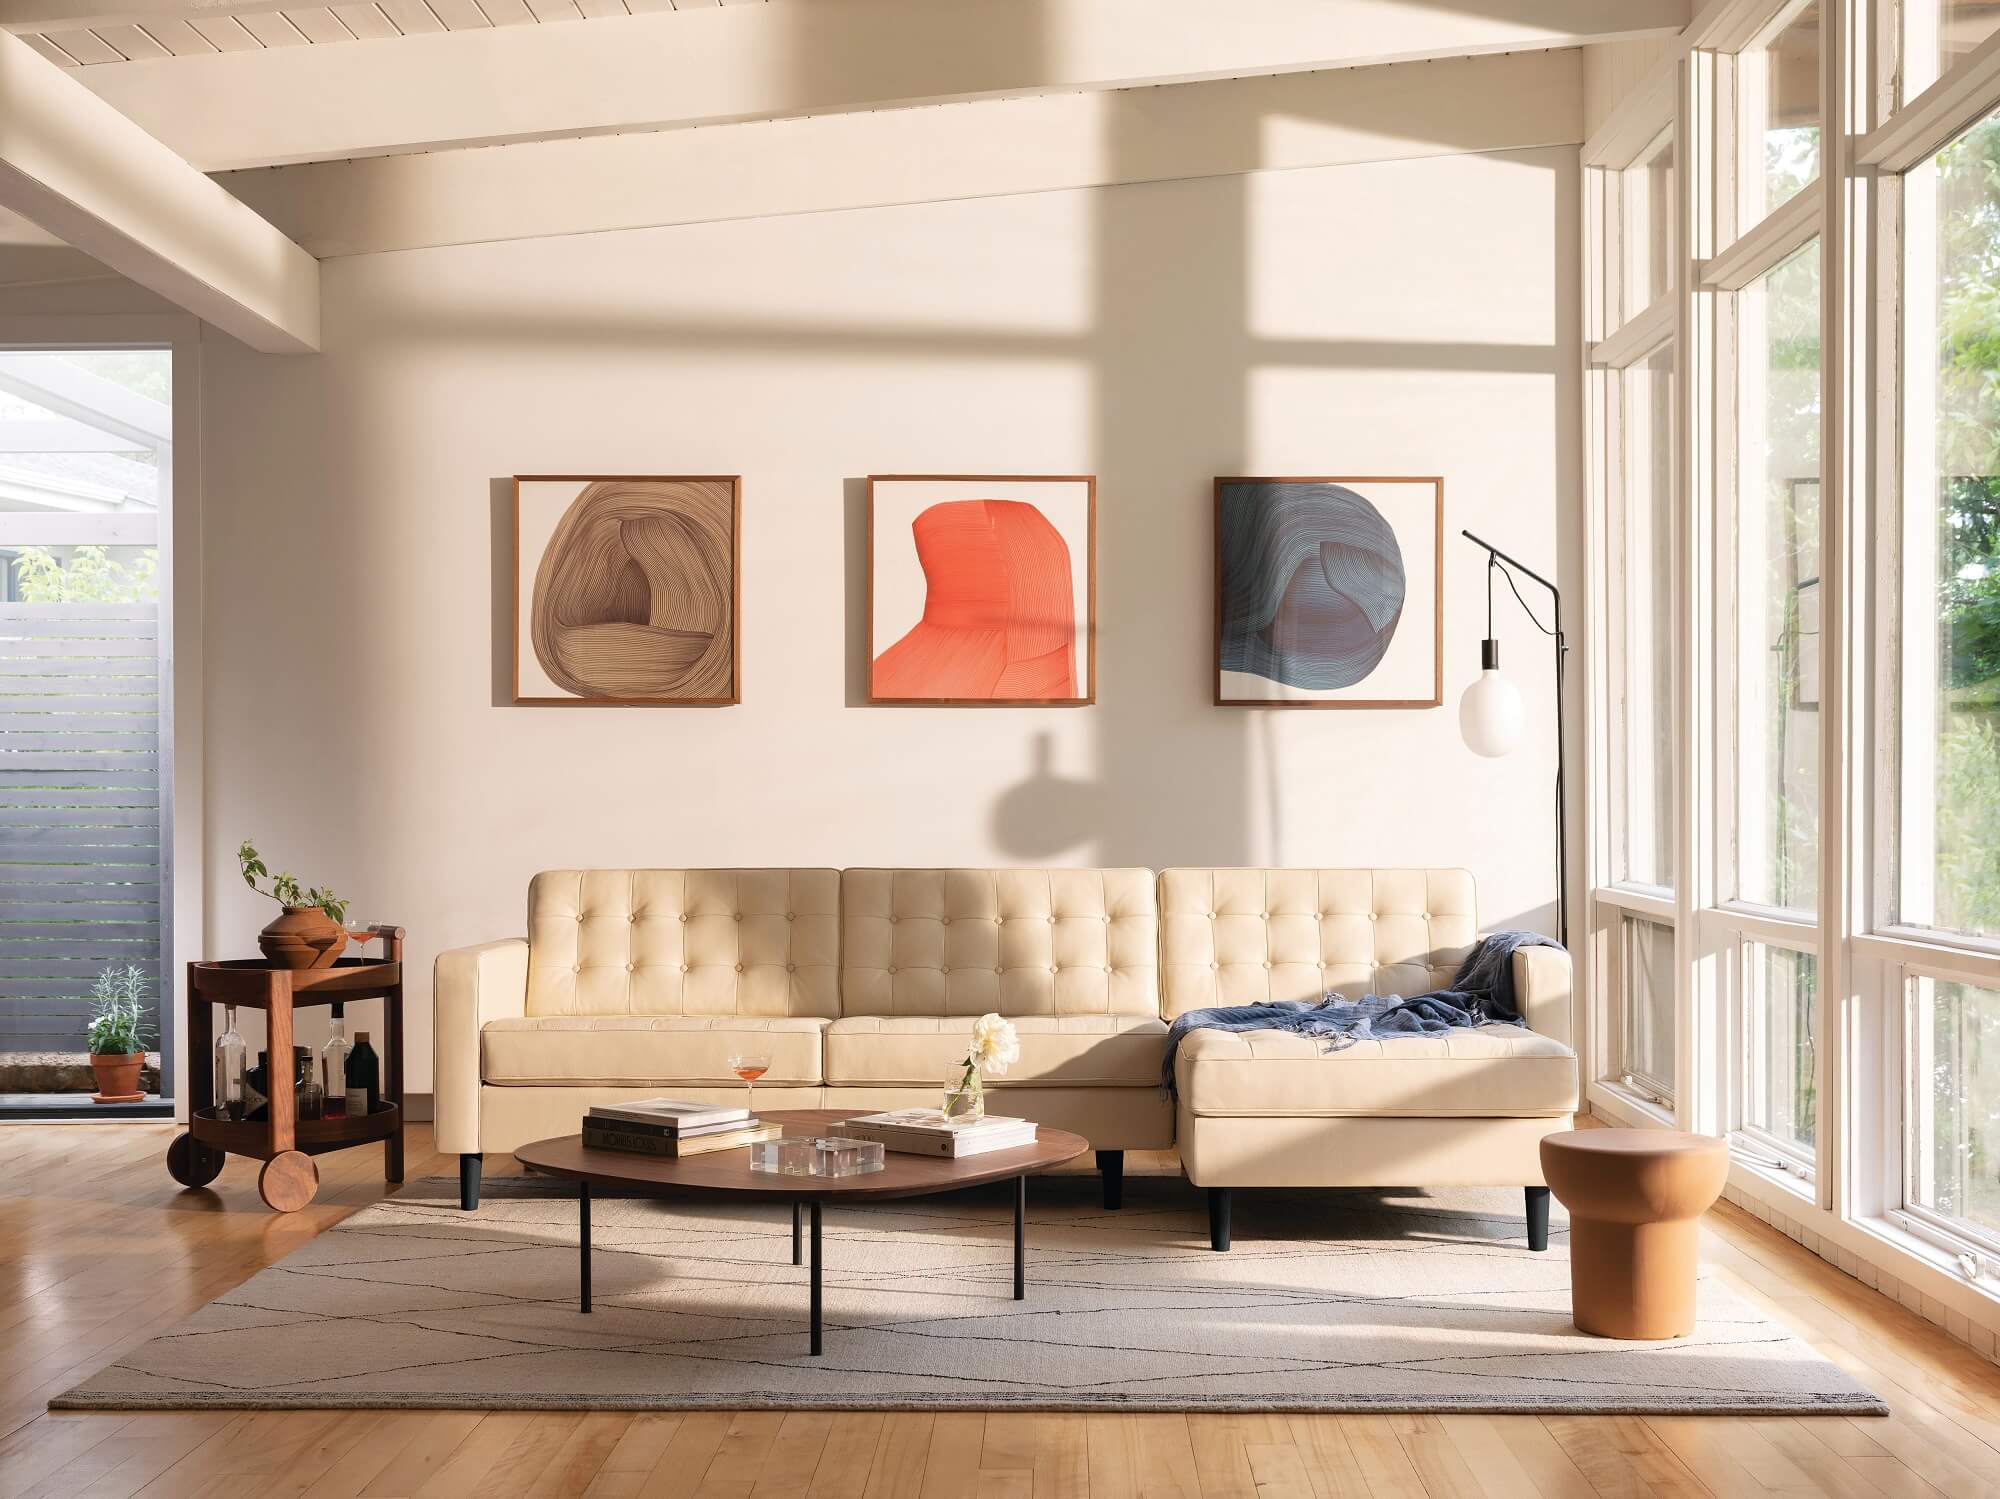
(285, 1143)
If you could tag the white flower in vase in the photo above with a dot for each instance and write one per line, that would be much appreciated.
(994, 1048)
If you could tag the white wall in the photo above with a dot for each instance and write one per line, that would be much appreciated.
(1412, 317)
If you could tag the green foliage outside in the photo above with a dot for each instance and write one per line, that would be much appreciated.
(90, 576)
(1964, 1022)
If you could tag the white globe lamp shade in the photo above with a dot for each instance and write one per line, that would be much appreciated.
(1489, 715)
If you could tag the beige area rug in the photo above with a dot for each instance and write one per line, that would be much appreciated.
(1330, 1301)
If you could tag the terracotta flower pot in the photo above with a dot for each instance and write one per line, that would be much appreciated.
(303, 937)
(117, 1076)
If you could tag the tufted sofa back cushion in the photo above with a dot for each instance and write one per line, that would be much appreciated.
(1016, 941)
(1243, 936)
(684, 942)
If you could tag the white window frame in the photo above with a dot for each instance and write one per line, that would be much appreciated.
(1853, 1204)
(1620, 343)
(1892, 952)
(1773, 1155)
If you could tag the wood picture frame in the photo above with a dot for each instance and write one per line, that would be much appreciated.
(531, 671)
(1433, 573)
(1082, 588)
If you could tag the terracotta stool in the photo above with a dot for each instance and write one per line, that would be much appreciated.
(1635, 1198)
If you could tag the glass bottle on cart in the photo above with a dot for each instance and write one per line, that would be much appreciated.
(333, 1065)
(231, 1053)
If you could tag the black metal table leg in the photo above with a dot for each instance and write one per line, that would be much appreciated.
(1021, 1238)
(583, 1237)
(798, 1257)
(815, 1280)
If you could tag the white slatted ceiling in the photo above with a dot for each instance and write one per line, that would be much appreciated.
(352, 20)
(272, 28)
(319, 25)
(225, 33)
(179, 38)
(131, 42)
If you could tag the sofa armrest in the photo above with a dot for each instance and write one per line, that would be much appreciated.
(469, 987)
(1542, 988)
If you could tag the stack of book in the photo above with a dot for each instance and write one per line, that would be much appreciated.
(929, 1132)
(673, 1127)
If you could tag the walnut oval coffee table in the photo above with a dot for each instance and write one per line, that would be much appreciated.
(727, 1173)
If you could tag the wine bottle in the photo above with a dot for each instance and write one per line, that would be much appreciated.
(364, 1077)
(333, 1064)
(257, 1088)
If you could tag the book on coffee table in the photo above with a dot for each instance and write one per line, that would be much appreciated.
(677, 1115)
(929, 1132)
(639, 1139)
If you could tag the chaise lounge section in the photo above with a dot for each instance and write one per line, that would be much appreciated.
(863, 985)
(1273, 1109)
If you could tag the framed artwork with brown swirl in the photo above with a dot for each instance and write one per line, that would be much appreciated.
(627, 590)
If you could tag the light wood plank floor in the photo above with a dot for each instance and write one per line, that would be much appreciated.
(99, 1251)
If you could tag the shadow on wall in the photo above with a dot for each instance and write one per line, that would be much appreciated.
(1161, 300)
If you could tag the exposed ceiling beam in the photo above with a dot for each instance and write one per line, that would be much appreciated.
(72, 164)
(71, 15)
(790, 58)
(982, 149)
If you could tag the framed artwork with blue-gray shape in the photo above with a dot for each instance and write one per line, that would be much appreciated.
(1329, 593)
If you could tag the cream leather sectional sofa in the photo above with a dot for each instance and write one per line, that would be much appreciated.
(863, 984)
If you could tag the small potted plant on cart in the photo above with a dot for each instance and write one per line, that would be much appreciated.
(310, 932)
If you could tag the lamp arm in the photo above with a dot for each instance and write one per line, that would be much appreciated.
(1562, 650)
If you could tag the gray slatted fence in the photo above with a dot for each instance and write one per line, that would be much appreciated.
(80, 863)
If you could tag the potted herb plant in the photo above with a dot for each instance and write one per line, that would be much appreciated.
(117, 1034)
(309, 932)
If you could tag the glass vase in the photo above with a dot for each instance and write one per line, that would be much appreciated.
(964, 1095)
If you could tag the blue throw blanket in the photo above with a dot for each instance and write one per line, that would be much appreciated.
(1480, 993)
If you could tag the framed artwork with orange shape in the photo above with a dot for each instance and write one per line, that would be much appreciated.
(982, 589)
(627, 590)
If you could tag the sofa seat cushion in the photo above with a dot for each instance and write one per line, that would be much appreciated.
(1493, 1071)
(646, 1050)
(1057, 1051)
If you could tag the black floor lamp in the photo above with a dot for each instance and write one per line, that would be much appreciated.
(1490, 715)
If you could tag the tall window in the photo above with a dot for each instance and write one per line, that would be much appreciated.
(1952, 1078)
(1778, 113)
(1646, 1032)
(1646, 196)
(1644, 571)
(1780, 1013)
(1949, 729)
(1777, 595)
(1938, 33)
(1634, 936)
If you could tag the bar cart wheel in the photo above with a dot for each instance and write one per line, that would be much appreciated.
(288, 1181)
(192, 1163)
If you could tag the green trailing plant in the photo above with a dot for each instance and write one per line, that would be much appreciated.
(285, 889)
(118, 1026)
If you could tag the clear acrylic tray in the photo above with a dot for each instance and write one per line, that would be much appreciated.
(829, 1155)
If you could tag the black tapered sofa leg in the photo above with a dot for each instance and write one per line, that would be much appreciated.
(1218, 1218)
(1538, 1218)
(468, 1180)
(1112, 1164)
